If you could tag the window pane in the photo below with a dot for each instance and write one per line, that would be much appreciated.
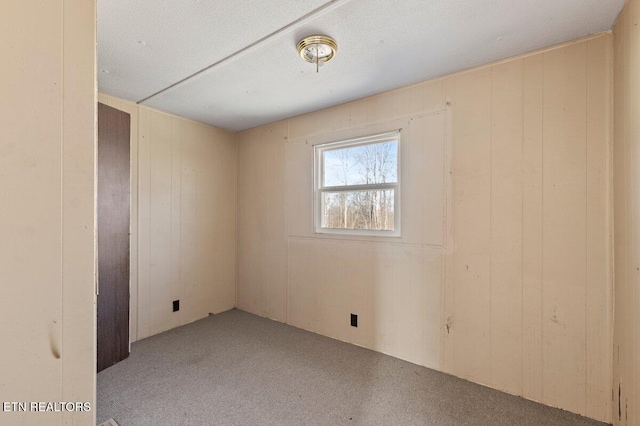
(359, 210)
(362, 164)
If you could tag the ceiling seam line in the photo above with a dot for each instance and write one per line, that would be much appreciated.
(332, 4)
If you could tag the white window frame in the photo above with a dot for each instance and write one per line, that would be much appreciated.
(320, 189)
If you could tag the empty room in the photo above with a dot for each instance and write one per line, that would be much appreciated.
(313, 212)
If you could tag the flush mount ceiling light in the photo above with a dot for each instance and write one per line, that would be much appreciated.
(317, 49)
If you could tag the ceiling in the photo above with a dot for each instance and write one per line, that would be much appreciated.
(248, 72)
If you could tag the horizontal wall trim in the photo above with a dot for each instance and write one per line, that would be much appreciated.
(371, 240)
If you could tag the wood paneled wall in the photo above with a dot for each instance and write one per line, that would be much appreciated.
(183, 228)
(626, 366)
(503, 273)
(47, 149)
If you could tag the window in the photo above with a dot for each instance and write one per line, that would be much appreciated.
(358, 186)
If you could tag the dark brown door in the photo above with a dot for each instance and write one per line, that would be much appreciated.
(113, 235)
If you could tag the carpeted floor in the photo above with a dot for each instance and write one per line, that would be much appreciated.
(239, 369)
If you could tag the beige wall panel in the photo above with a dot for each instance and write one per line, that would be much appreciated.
(225, 155)
(321, 122)
(632, 404)
(47, 143)
(210, 155)
(432, 309)
(404, 102)
(626, 167)
(225, 178)
(492, 157)
(598, 298)
(160, 242)
(246, 288)
(621, 318)
(144, 230)
(423, 140)
(426, 96)
(389, 105)
(78, 242)
(176, 285)
(449, 261)
(564, 228)
(302, 300)
(409, 101)
(626, 383)
(393, 288)
(194, 257)
(395, 329)
(317, 294)
(298, 190)
(30, 229)
(414, 183)
(357, 112)
(359, 296)
(430, 134)
(262, 266)
(197, 218)
(403, 301)
(506, 225)
(334, 299)
(472, 222)
(190, 275)
(532, 167)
